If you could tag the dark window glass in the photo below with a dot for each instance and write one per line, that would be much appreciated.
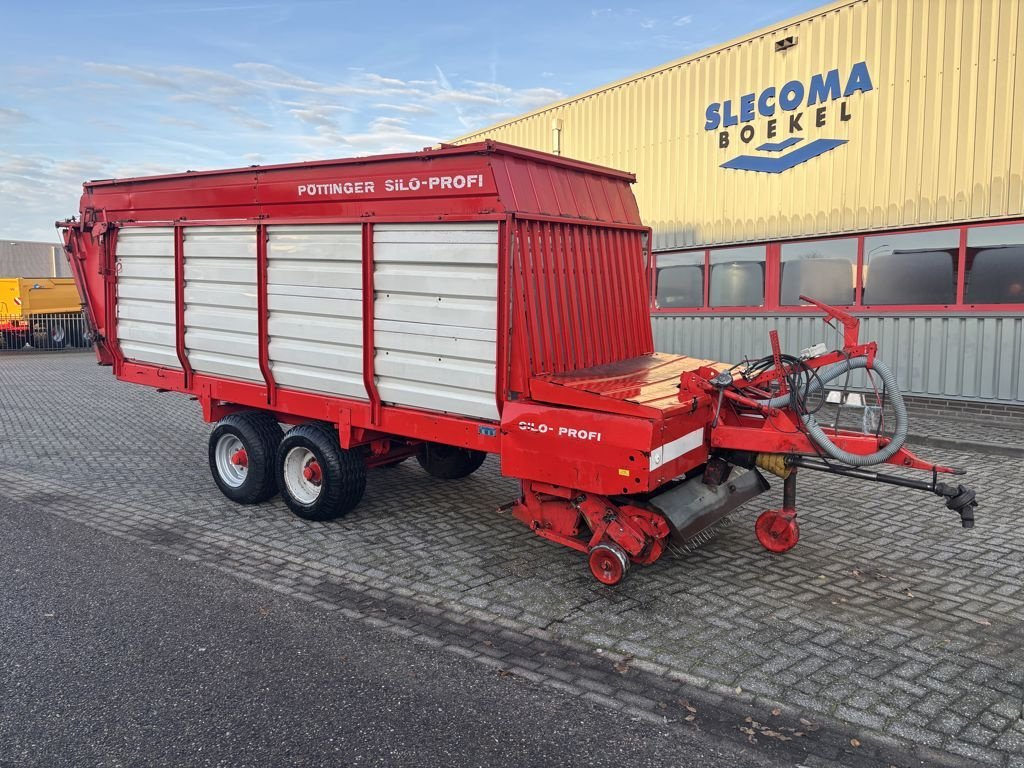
(737, 277)
(995, 265)
(915, 268)
(822, 269)
(680, 280)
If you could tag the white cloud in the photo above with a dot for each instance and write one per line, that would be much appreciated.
(180, 122)
(412, 109)
(9, 117)
(464, 97)
(162, 119)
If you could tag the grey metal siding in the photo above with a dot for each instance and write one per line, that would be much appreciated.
(967, 357)
(24, 258)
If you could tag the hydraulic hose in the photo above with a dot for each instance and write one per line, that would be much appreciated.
(817, 434)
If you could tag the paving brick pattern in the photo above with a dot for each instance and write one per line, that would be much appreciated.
(887, 616)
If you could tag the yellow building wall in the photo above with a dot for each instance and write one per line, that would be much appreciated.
(938, 138)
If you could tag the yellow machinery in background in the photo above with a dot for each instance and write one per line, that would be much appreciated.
(44, 312)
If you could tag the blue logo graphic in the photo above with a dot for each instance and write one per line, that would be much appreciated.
(821, 102)
(780, 163)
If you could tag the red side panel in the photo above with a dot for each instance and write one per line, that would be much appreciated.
(91, 267)
(582, 291)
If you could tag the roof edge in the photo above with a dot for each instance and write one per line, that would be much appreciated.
(821, 11)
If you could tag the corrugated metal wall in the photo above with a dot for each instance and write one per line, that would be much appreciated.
(975, 357)
(26, 258)
(936, 139)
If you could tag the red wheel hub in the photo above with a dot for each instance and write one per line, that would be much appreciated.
(608, 563)
(313, 473)
(240, 458)
(777, 530)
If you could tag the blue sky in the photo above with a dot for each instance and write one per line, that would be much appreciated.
(103, 89)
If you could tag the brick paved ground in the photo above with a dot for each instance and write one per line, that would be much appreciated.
(887, 616)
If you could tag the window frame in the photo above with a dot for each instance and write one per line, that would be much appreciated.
(656, 268)
(765, 287)
(962, 293)
(957, 265)
(773, 277)
(858, 269)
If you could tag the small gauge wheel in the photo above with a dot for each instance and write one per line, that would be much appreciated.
(777, 530)
(608, 563)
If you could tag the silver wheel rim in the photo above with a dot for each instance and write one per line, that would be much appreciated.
(227, 447)
(57, 335)
(298, 487)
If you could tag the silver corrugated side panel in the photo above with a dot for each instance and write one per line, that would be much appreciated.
(435, 315)
(964, 356)
(221, 333)
(314, 294)
(145, 295)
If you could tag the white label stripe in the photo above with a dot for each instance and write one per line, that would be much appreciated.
(682, 445)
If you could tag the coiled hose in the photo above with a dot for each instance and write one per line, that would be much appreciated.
(817, 434)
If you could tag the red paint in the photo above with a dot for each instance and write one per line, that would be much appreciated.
(313, 473)
(263, 313)
(179, 304)
(777, 530)
(240, 458)
(607, 565)
(369, 343)
(592, 420)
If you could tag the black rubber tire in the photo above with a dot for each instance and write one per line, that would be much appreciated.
(12, 340)
(57, 328)
(43, 329)
(343, 473)
(447, 462)
(260, 435)
(84, 339)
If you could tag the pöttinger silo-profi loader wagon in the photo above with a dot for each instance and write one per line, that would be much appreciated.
(448, 304)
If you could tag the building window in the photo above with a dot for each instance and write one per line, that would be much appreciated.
(737, 277)
(680, 280)
(825, 270)
(994, 269)
(914, 268)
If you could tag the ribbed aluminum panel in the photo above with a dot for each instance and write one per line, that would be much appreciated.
(936, 140)
(314, 294)
(975, 357)
(145, 295)
(221, 333)
(435, 316)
